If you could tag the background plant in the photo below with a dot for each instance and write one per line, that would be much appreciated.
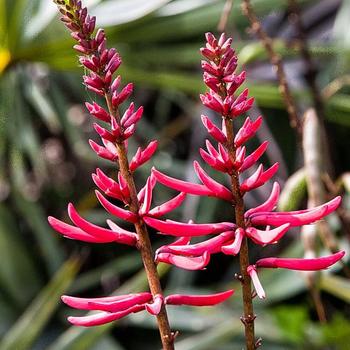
(31, 189)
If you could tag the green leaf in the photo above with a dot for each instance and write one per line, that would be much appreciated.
(29, 326)
(18, 276)
(293, 192)
(336, 285)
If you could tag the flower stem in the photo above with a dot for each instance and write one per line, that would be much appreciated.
(248, 316)
(144, 243)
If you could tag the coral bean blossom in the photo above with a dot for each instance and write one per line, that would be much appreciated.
(101, 64)
(230, 157)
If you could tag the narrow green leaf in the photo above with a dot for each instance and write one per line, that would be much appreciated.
(29, 326)
(336, 285)
(293, 192)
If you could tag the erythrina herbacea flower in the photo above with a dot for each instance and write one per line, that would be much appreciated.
(261, 224)
(135, 207)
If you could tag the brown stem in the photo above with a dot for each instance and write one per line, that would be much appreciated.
(225, 15)
(248, 317)
(276, 61)
(144, 243)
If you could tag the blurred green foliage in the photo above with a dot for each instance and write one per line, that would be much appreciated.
(45, 162)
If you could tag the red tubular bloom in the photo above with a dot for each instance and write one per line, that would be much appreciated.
(184, 262)
(198, 300)
(301, 264)
(175, 228)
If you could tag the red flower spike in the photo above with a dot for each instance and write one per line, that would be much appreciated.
(115, 210)
(174, 228)
(301, 264)
(198, 300)
(155, 307)
(256, 282)
(184, 262)
(235, 246)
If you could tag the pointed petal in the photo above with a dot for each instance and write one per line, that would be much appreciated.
(269, 204)
(301, 264)
(175, 228)
(87, 303)
(168, 206)
(256, 282)
(155, 307)
(213, 130)
(254, 157)
(212, 245)
(296, 218)
(115, 210)
(147, 198)
(182, 186)
(185, 262)
(103, 317)
(268, 236)
(198, 300)
(235, 246)
(120, 305)
(216, 188)
(97, 231)
(73, 232)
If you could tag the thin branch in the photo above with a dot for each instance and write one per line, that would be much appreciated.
(276, 61)
(225, 16)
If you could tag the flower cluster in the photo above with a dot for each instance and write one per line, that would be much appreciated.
(230, 157)
(134, 206)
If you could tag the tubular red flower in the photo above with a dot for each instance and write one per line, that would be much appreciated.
(115, 210)
(235, 246)
(256, 282)
(217, 189)
(175, 228)
(182, 186)
(254, 157)
(184, 262)
(103, 317)
(269, 204)
(155, 307)
(301, 264)
(267, 236)
(142, 157)
(212, 245)
(95, 230)
(213, 130)
(111, 304)
(103, 152)
(167, 206)
(198, 300)
(295, 218)
(247, 131)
